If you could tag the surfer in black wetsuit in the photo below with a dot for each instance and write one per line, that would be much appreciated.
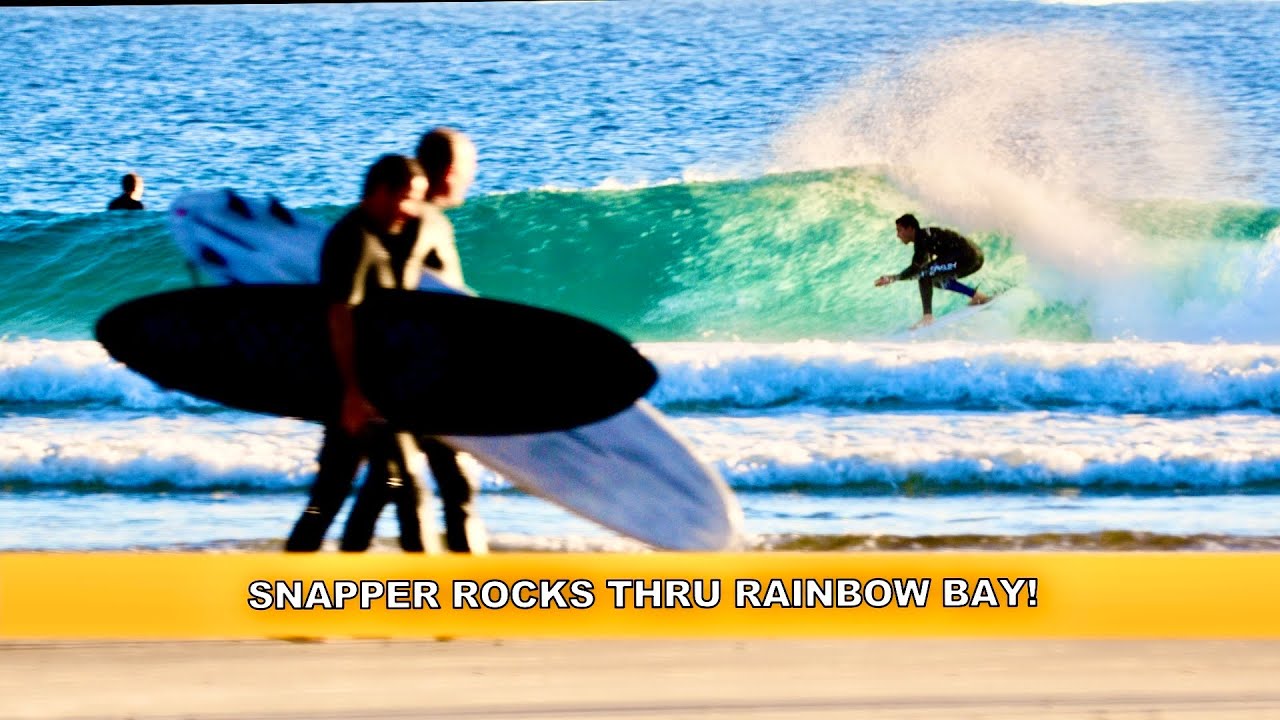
(372, 246)
(449, 160)
(130, 199)
(940, 257)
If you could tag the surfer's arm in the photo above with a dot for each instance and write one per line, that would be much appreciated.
(342, 272)
(919, 259)
(435, 251)
(357, 411)
(926, 298)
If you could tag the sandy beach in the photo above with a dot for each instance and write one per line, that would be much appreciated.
(642, 679)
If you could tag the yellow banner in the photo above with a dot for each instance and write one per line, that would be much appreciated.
(889, 594)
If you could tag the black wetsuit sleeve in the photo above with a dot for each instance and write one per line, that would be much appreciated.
(926, 295)
(341, 262)
(919, 259)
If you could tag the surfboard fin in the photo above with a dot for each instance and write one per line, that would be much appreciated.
(280, 212)
(211, 256)
(237, 205)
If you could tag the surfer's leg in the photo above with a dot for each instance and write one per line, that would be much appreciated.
(971, 266)
(926, 294)
(339, 459)
(975, 297)
(945, 273)
(374, 494)
(407, 495)
(959, 287)
(463, 533)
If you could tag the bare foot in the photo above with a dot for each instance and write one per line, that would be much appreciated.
(979, 299)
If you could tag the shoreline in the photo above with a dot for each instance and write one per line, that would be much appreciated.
(1102, 541)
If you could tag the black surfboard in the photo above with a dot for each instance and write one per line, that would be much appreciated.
(433, 363)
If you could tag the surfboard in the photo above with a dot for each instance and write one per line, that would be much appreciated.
(433, 363)
(942, 325)
(630, 472)
(233, 239)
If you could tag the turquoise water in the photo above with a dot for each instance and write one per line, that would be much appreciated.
(777, 258)
(718, 181)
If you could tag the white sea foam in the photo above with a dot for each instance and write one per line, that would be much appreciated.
(1121, 376)
(1044, 137)
(881, 453)
(77, 371)
(949, 452)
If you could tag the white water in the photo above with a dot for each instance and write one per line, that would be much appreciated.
(1041, 137)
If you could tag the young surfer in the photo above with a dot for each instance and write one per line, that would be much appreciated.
(940, 257)
(448, 159)
(370, 247)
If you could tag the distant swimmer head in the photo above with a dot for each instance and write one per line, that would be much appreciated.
(394, 190)
(132, 185)
(449, 159)
(907, 225)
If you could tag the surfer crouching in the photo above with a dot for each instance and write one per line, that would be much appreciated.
(940, 257)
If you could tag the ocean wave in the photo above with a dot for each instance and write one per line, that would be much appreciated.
(1120, 376)
(38, 372)
(869, 454)
(711, 377)
(206, 469)
(1012, 471)
(773, 258)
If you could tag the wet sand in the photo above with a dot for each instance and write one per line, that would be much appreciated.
(642, 679)
(1104, 541)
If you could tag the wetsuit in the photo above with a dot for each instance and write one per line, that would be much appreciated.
(941, 256)
(357, 259)
(434, 251)
(124, 202)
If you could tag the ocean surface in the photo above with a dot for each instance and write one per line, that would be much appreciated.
(718, 181)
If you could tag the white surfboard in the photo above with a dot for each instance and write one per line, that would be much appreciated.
(628, 472)
(943, 325)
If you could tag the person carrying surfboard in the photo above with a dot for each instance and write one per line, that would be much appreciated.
(940, 257)
(369, 248)
(448, 158)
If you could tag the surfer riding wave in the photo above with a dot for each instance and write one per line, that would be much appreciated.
(941, 256)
